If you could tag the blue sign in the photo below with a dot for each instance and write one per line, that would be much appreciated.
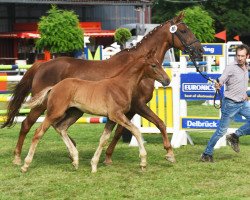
(199, 123)
(211, 49)
(196, 87)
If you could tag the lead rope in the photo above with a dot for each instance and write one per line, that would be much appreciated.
(173, 31)
(217, 92)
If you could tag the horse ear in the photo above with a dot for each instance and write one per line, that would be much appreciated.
(179, 18)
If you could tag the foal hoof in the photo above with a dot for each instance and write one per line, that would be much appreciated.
(76, 165)
(170, 158)
(24, 169)
(94, 170)
(17, 161)
(143, 168)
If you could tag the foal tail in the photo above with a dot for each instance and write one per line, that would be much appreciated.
(38, 99)
(20, 92)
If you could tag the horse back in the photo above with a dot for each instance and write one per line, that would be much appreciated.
(55, 70)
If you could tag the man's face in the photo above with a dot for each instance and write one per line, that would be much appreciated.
(241, 56)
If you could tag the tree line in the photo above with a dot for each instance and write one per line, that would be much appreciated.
(230, 15)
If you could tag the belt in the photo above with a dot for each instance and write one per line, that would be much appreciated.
(234, 101)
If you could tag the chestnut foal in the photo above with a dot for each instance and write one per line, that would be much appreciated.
(109, 97)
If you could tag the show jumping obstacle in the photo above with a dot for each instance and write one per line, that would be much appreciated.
(173, 33)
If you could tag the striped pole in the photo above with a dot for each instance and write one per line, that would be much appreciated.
(10, 78)
(14, 67)
(82, 120)
(7, 97)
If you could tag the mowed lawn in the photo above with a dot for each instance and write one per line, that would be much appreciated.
(51, 175)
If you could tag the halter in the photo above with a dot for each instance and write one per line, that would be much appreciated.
(188, 48)
(174, 31)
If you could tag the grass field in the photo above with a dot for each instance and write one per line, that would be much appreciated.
(51, 175)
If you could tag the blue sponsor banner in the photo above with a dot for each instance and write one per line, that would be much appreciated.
(196, 87)
(199, 123)
(211, 49)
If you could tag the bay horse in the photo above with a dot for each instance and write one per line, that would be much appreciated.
(110, 97)
(42, 75)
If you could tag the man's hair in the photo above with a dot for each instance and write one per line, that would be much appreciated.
(242, 47)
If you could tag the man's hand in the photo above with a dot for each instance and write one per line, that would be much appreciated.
(217, 85)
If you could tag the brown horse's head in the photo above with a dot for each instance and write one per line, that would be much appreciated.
(181, 37)
(154, 69)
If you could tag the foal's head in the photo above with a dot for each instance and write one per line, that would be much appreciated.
(181, 37)
(153, 69)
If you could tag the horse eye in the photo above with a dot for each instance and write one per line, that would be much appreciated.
(153, 65)
(183, 31)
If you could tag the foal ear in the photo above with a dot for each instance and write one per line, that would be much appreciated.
(179, 18)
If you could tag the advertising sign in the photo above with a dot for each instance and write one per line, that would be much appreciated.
(196, 87)
(211, 49)
(199, 123)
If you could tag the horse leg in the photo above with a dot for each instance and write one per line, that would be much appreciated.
(147, 113)
(25, 127)
(121, 119)
(71, 116)
(38, 135)
(103, 140)
(117, 136)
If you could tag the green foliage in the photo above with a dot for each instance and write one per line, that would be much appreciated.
(122, 35)
(200, 23)
(234, 16)
(163, 10)
(60, 31)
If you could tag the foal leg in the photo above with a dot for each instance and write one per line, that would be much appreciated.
(38, 135)
(25, 127)
(117, 136)
(103, 140)
(125, 122)
(147, 113)
(71, 147)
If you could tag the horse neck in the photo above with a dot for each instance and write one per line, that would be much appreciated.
(157, 38)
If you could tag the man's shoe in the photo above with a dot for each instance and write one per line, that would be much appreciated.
(206, 158)
(233, 141)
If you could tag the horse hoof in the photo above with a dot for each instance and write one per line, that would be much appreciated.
(76, 165)
(143, 168)
(24, 169)
(107, 161)
(93, 171)
(17, 161)
(170, 158)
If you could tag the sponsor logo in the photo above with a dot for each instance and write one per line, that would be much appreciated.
(199, 124)
(197, 87)
(208, 49)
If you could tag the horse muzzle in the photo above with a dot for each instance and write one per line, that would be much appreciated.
(165, 82)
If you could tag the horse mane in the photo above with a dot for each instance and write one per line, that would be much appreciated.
(146, 37)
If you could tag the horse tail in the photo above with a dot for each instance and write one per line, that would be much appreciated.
(38, 99)
(20, 92)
